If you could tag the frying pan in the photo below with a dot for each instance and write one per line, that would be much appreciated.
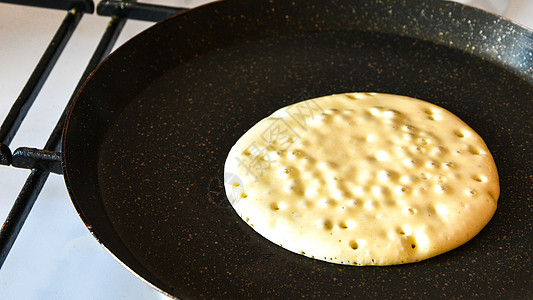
(146, 139)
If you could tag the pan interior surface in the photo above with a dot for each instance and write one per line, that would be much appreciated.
(160, 205)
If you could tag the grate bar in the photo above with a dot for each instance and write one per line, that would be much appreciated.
(84, 6)
(137, 11)
(22, 104)
(30, 158)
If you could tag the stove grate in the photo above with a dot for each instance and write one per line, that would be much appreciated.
(44, 161)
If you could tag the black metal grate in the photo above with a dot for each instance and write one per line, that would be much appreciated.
(44, 161)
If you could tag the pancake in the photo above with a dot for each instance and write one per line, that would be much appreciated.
(363, 179)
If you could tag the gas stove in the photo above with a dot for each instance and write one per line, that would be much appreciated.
(54, 255)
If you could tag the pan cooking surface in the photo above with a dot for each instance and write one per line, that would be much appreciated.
(146, 141)
(161, 163)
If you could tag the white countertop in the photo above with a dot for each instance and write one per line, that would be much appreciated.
(54, 256)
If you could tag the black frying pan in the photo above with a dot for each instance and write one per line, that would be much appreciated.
(147, 137)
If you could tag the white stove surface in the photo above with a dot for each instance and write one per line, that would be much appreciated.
(55, 257)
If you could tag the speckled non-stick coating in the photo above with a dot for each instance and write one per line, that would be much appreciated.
(147, 138)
